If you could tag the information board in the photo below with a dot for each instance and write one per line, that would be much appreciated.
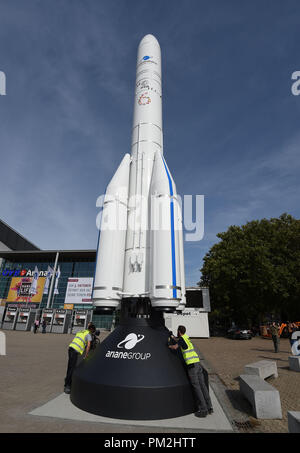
(79, 290)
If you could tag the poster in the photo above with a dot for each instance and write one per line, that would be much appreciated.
(79, 290)
(26, 289)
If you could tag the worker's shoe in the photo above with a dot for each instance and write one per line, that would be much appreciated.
(201, 414)
(67, 389)
(210, 411)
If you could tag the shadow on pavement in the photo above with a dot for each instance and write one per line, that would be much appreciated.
(287, 368)
(238, 402)
(272, 358)
(271, 351)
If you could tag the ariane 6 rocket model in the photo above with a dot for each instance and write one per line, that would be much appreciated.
(140, 248)
(140, 270)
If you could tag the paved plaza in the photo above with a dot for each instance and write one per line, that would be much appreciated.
(32, 399)
(225, 360)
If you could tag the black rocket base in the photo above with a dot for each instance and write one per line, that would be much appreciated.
(133, 374)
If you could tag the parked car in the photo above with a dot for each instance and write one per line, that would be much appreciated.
(238, 333)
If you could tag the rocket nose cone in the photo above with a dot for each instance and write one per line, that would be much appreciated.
(149, 39)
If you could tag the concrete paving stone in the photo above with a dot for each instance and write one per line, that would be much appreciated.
(262, 368)
(294, 362)
(294, 422)
(263, 397)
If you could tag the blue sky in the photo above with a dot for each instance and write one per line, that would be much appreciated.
(231, 123)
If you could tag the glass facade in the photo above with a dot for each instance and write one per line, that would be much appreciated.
(70, 264)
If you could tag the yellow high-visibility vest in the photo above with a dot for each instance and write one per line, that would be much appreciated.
(80, 342)
(190, 355)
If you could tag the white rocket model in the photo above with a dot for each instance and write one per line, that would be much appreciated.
(140, 247)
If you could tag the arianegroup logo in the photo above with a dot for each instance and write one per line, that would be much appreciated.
(147, 59)
(129, 342)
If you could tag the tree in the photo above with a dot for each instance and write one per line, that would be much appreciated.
(255, 270)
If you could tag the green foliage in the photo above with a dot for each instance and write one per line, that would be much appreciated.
(255, 270)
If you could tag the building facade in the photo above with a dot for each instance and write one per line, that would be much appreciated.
(62, 280)
(39, 279)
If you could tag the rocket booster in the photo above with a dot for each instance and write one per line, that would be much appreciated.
(140, 247)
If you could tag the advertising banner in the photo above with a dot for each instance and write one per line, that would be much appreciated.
(26, 289)
(79, 291)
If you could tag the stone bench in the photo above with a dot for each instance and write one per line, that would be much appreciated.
(263, 369)
(294, 421)
(263, 397)
(294, 362)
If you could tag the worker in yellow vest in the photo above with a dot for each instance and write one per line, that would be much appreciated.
(80, 345)
(194, 370)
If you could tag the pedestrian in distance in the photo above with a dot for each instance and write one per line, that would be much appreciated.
(289, 326)
(289, 330)
(80, 346)
(194, 370)
(294, 328)
(44, 325)
(275, 332)
(36, 326)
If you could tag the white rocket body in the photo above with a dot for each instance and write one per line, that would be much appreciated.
(140, 250)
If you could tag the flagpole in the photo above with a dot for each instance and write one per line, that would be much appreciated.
(52, 280)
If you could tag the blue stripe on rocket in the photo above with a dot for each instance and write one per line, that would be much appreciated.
(172, 231)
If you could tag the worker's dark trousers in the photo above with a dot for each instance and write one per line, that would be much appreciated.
(198, 383)
(73, 356)
(276, 342)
